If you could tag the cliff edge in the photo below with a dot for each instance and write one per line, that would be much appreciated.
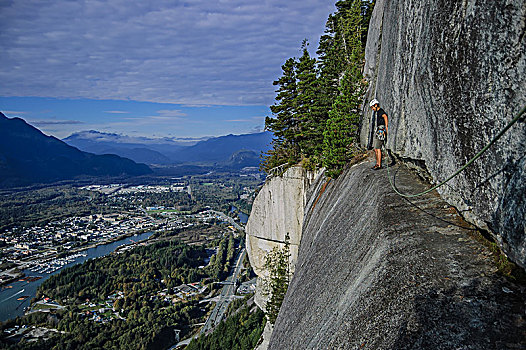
(376, 271)
(278, 210)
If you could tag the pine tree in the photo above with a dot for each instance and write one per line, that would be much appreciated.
(285, 125)
(340, 137)
(308, 109)
(277, 263)
(341, 133)
(338, 44)
(329, 64)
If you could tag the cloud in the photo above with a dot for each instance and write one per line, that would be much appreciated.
(117, 112)
(247, 120)
(199, 52)
(14, 112)
(196, 106)
(98, 136)
(171, 113)
(50, 122)
(168, 118)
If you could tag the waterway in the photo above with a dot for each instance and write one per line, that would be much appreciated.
(10, 307)
(243, 218)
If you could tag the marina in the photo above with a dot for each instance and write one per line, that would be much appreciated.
(16, 296)
(55, 264)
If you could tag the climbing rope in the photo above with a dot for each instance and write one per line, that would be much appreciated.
(502, 132)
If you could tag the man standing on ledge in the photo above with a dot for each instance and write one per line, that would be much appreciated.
(381, 132)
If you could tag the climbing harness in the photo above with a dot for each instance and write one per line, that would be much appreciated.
(502, 132)
(380, 132)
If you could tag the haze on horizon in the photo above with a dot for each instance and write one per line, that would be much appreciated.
(173, 69)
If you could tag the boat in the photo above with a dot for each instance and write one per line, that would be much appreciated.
(33, 278)
(23, 297)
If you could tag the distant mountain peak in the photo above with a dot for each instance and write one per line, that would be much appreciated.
(29, 156)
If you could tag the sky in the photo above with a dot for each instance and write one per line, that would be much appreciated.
(163, 68)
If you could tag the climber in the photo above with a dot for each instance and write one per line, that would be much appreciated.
(381, 132)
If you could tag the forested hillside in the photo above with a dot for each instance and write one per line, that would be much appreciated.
(27, 156)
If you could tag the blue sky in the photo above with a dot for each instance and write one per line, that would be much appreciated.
(149, 68)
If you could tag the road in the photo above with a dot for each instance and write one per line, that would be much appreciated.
(226, 296)
(229, 219)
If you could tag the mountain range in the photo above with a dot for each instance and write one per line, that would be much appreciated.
(230, 151)
(28, 156)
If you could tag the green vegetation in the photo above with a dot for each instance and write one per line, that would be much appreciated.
(180, 200)
(317, 109)
(227, 191)
(241, 331)
(277, 262)
(40, 206)
(197, 234)
(222, 261)
(126, 301)
(150, 328)
(505, 266)
(138, 272)
(43, 307)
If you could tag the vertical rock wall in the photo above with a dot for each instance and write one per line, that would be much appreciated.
(277, 210)
(451, 74)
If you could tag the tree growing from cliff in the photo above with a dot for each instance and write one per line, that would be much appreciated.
(318, 97)
(277, 263)
(340, 141)
(285, 125)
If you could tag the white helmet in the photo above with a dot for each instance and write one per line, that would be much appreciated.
(373, 102)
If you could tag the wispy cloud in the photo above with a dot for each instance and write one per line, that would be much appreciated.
(49, 122)
(117, 112)
(163, 117)
(196, 106)
(171, 113)
(247, 120)
(13, 112)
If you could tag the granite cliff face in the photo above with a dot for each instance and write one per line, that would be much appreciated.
(451, 74)
(277, 210)
(376, 271)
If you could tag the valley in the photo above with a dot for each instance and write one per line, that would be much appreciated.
(64, 228)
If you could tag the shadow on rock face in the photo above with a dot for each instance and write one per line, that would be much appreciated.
(511, 213)
(471, 316)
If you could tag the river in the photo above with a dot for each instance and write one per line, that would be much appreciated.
(243, 218)
(10, 307)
